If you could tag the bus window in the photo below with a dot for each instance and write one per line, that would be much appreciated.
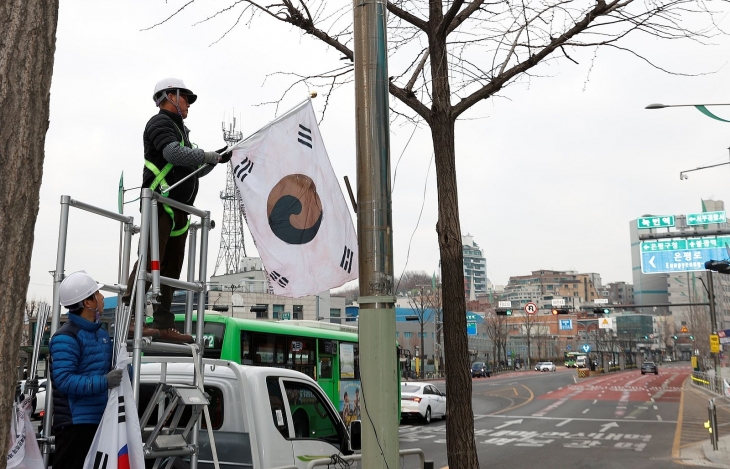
(264, 347)
(246, 357)
(325, 368)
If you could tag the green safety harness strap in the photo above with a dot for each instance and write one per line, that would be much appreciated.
(160, 179)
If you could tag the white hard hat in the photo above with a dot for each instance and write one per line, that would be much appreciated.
(170, 85)
(77, 287)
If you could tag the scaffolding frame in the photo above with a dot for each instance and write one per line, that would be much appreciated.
(149, 237)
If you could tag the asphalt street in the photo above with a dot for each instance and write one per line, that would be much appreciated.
(555, 420)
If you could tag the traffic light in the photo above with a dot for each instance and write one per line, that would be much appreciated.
(691, 337)
(646, 337)
(601, 310)
(556, 311)
(503, 312)
(675, 337)
(718, 266)
(259, 308)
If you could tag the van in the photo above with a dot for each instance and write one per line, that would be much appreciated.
(261, 417)
(581, 362)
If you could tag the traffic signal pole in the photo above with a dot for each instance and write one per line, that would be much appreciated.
(713, 329)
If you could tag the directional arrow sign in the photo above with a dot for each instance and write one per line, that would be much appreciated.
(681, 255)
(586, 348)
(511, 422)
(606, 426)
(705, 218)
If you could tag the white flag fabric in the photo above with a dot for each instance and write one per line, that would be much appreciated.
(118, 440)
(23, 451)
(294, 206)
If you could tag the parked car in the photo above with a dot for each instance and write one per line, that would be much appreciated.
(422, 400)
(39, 400)
(649, 367)
(480, 370)
(538, 365)
(547, 366)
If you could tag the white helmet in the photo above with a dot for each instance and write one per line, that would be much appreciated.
(77, 287)
(169, 85)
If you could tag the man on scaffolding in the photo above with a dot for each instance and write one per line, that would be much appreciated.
(170, 156)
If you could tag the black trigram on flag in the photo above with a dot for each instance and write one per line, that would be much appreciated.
(278, 278)
(122, 415)
(101, 460)
(305, 136)
(243, 169)
(346, 262)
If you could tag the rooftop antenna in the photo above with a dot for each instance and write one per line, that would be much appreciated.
(232, 248)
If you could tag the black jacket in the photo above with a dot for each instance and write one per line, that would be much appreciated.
(164, 128)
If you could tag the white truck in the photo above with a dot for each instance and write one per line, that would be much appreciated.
(581, 361)
(262, 418)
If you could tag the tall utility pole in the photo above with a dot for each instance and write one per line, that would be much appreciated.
(378, 366)
(232, 248)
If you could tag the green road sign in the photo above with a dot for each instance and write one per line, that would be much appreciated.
(687, 243)
(662, 221)
(705, 218)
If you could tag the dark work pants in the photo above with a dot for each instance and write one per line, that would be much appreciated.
(172, 255)
(72, 444)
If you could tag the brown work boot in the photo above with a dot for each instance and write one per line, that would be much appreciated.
(147, 331)
(172, 335)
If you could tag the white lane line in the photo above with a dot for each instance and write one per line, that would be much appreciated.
(659, 417)
(577, 419)
(566, 421)
(595, 400)
(656, 408)
(586, 410)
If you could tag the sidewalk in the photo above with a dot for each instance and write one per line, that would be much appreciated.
(697, 450)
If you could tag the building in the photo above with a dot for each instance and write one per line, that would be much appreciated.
(543, 286)
(475, 268)
(619, 293)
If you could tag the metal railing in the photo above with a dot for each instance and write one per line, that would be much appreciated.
(328, 462)
(709, 382)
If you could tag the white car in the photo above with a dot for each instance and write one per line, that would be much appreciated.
(39, 401)
(547, 366)
(422, 400)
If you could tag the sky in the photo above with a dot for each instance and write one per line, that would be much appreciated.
(550, 172)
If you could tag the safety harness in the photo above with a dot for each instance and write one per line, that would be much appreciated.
(160, 181)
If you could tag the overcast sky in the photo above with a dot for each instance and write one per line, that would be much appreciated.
(550, 173)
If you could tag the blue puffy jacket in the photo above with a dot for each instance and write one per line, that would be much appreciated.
(81, 357)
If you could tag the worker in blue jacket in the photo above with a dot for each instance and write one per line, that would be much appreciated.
(81, 370)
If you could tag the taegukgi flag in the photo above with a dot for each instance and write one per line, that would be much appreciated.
(118, 440)
(294, 206)
(23, 450)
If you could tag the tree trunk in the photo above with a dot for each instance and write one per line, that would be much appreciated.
(27, 45)
(460, 445)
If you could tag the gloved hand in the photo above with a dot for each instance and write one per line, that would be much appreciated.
(211, 158)
(224, 158)
(31, 385)
(114, 378)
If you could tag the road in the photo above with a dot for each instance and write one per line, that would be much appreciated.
(555, 420)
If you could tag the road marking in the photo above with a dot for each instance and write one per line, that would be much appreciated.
(678, 431)
(579, 419)
(564, 422)
(586, 410)
(595, 400)
(659, 417)
(515, 406)
(507, 424)
(606, 426)
(656, 408)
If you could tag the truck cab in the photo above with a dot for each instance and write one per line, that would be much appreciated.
(261, 417)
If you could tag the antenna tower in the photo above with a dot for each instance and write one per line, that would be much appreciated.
(232, 248)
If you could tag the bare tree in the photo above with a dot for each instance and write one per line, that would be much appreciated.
(411, 280)
(420, 303)
(496, 329)
(529, 322)
(447, 56)
(27, 45)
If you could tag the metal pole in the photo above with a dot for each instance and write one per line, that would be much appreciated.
(56, 318)
(139, 302)
(375, 239)
(155, 251)
(200, 320)
(713, 329)
(192, 240)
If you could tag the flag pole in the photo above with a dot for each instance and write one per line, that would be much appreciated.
(312, 94)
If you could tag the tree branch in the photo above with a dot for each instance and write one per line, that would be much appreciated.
(464, 15)
(410, 100)
(409, 17)
(443, 27)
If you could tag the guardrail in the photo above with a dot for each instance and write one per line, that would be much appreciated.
(709, 382)
(328, 462)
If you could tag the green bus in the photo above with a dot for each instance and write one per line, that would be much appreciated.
(329, 353)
